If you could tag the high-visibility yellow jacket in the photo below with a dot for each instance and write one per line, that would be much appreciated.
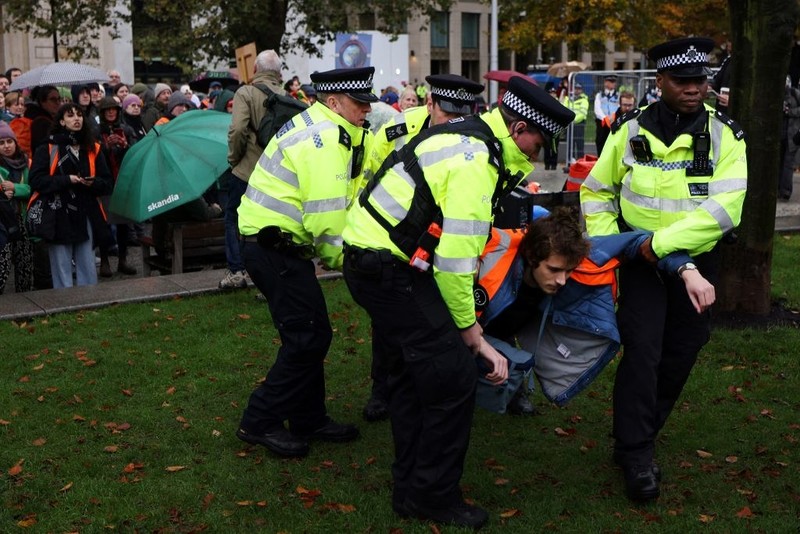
(462, 182)
(303, 183)
(394, 135)
(579, 105)
(688, 213)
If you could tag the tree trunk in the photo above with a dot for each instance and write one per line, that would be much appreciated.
(762, 33)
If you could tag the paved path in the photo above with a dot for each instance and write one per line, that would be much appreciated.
(120, 288)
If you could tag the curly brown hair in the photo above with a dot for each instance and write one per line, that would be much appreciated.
(558, 233)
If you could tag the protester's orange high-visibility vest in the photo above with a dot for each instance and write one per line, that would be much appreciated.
(53, 149)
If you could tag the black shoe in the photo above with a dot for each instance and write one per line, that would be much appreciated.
(460, 514)
(335, 432)
(520, 404)
(281, 442)
(377, 409)
(641, 483)
(653, 465)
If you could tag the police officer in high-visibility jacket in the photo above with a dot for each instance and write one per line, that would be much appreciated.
(678, 169)
(446, 186)
(292, 211)
(451, 96)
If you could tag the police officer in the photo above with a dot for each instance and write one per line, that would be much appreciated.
(444, 184)
(678, 169)
(451, 96)
(292, 211)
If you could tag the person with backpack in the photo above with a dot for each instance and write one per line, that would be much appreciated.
(244, 149)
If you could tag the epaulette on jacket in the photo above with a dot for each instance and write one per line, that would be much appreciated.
(625, 117)
(738, 132)
(396, 131)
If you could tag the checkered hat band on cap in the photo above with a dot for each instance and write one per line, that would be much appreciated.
(550, 126)
(345, 86)
(668, 62)
(453, 94)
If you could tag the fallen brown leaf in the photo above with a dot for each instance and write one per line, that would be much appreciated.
(704, 518)
(744, 513)
(110, 448)
(513, 512)
(703, 454)
(16, 469)
(39, 442)
(66, 488)
(174, 468)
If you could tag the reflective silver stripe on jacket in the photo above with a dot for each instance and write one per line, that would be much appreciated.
(465, 227)
(596, 206)
(455, 265)
(727, 185)
(333, 240)
(274, 168)
(271, 203)
(465, 147)
(381, 198)
(718, 212)
(325, 205)
(491, 260)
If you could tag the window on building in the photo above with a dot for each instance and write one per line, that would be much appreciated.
(440, 30)
(366, 21)
(470, 30)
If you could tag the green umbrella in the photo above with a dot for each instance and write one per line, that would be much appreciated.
(173, 164)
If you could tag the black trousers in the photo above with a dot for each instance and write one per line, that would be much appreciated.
(432, 376)
(294, 388)
(661, 334)
(600, 136)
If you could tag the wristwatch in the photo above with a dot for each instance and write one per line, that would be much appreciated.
(688, 266)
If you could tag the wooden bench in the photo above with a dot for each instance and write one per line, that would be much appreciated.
(189, 246)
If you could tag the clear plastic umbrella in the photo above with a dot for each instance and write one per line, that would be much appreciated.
(61, 73)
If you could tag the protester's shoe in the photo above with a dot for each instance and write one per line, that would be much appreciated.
(233, 280)
(641, 483)
(460, 514)
(376, 409)
(520, 404)
(335, 432)
(280, 441)
(124, 268)
(105, 268)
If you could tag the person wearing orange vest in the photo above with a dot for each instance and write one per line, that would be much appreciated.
(550, 271)
(73, 173)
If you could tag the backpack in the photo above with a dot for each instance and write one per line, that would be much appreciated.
(22, 129)
(279, 109)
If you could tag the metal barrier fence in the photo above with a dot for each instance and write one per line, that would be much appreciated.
(639, 82)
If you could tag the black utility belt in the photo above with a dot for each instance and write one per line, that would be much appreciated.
(370, 261)
(273, 238)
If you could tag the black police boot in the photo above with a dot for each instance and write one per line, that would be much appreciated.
(333, 432)
(280, 441)
(460, 514)
(376, 409)
(520, 404)
(641, 483)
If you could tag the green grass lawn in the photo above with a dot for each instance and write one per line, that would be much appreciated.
(123, 419)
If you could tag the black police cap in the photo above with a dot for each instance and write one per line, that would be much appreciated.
(683, 58)
(454, 93)
(355, 83)
(533, 105)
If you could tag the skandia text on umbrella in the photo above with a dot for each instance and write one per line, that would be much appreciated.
(161, 203)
